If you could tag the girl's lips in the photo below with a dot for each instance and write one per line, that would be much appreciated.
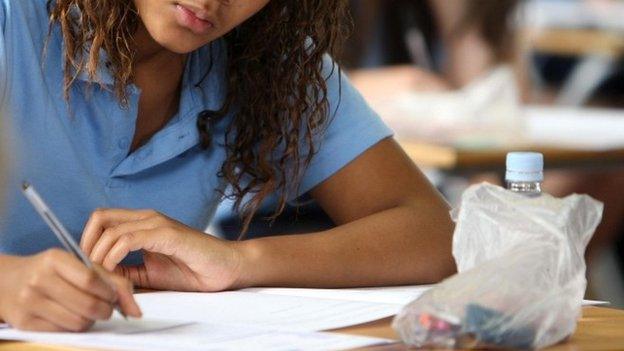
(188, 19)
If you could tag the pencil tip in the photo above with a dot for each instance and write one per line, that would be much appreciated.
(25, 185)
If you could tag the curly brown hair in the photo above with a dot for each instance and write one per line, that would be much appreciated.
(275, 82)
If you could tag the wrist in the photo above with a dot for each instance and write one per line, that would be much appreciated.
(248, 267)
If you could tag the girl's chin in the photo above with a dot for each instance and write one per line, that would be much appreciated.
(182, 44)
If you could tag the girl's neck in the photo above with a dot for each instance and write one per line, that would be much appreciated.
(152, 56)
(158, 73)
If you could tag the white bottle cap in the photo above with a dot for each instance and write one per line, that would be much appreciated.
(525, 167)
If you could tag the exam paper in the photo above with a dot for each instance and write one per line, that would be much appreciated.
(401, 295)
(200, 336)
(116, 325)
(282, 312)
(119, 325)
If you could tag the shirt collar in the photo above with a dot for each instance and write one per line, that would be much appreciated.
(201, 90)
(204, 74)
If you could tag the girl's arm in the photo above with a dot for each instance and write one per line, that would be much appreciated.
(393, 228)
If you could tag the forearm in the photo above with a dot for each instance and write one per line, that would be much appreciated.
(401, 245)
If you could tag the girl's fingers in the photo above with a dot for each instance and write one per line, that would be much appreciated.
(78, 302)
(39, 324)
(110, 236)
(104, 243)
(161, 240)
(102, 219)
(125, 295)
(78, 275)
(56, 314)
(136, 274)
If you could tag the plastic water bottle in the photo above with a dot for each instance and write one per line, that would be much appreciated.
(525, 172)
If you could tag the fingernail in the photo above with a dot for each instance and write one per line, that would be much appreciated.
(137, 314)
(137, 309)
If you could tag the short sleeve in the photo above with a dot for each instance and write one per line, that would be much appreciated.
(353, 128)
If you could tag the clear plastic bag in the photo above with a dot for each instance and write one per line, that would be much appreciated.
(521, 277)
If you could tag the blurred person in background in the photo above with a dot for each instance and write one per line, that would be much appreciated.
(447, 44)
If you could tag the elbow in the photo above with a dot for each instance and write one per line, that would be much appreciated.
(444, 268)
(442, 264)
(435, 248)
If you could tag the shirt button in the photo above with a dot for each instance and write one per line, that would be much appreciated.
(123, 143)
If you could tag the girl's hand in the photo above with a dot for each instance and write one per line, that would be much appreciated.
(53, 291)
(175, 257)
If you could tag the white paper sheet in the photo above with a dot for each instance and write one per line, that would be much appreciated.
(200, 336)
(400, 295)
(293, 313)
(118, 325)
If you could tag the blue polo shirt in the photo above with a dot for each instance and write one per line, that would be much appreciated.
(77, 153)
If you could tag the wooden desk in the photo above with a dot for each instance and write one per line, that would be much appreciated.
(462, 160)
(577, 42)
(598, 329)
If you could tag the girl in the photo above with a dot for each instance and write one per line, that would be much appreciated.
(161, 105)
